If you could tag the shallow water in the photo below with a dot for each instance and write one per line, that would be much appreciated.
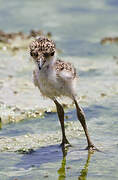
(30, 149)
(48, 161)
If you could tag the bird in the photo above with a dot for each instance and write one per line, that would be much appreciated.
(56, 78)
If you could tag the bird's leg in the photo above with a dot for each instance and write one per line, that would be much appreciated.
(60, 112)
(81, 118)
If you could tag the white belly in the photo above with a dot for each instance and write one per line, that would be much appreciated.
(51, 86)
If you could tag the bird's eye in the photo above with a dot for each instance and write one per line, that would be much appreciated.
(35, 54)
(46, 54)
(52, 54)
(31, 54)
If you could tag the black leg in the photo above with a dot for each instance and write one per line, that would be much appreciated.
(60, 112)
(81, 118)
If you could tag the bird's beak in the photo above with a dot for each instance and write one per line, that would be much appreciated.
(40, 63)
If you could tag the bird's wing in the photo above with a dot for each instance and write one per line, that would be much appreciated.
(65, 70)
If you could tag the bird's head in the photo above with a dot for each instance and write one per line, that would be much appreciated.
(43, 51)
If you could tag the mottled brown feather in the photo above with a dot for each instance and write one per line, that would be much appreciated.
(42, 44)
(61, 65)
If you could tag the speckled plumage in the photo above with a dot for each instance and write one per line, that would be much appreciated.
(42, 44)
(56, 77)
(61, 65)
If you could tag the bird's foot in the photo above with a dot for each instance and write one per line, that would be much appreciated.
(92, 148)
(65, 143)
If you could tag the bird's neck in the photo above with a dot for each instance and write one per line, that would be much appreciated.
(52, 61)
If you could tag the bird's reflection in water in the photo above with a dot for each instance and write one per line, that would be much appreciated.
(84, 171)
(62, 169)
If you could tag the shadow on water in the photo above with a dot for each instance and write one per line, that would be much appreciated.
(43, 155)
(52, 154)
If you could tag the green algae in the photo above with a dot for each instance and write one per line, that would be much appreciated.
(25, 151)
(27, 142)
